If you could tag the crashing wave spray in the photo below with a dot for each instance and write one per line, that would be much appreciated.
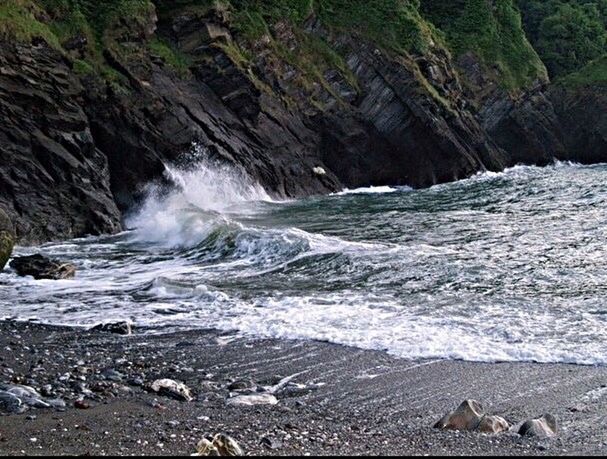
(203, 195)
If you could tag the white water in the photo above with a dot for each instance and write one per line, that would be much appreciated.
(500, 267)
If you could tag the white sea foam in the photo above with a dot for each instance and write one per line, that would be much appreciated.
(510, 271)
(204, 196)
(369, 190)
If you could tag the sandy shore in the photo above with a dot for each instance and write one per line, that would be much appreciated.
(341, 401)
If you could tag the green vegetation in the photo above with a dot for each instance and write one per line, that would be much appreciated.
(567, 34)
(593, 74)
(493, 32)
(171, 56)
(19, 20)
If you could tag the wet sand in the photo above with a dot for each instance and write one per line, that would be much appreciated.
(341, 400)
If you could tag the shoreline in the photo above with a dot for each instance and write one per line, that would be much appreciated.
(340, 400)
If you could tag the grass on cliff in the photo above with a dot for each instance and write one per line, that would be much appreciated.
(19, 20)
(593, 74)
(491, 30)
(391, 24)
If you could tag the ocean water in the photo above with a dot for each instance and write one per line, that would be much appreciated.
(505, 266)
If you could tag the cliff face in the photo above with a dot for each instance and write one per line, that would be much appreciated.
(54, 181)
(86, 126)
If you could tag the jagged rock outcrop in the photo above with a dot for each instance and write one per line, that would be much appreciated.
(77, 148)
(583, 115)
(524, 124)
(54, 182)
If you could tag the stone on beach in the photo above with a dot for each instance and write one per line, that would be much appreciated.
(11, 404)
(173, 389)
(206, 448)
(118, 328)
(493, 424)
(40, 267)
(7, 239)
(542, 427)
(467, 416)
(222, 445)
(16, 399)
(252, 400)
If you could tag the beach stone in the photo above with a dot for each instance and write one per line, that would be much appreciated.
(173, 389)
(543, 427)
(252, 400)
(227, 446)
(11, 404)
(467, 416)
(27, 395)
(117, 328)
(40, 267)
(242, 384)
(206, 448)
(493, 425)
(7, 239)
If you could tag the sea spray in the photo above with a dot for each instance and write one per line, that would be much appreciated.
(202, 196)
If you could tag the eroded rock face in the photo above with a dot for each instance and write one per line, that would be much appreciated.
(7, 239)
(54, 182)
(583, 115)
(90, 146)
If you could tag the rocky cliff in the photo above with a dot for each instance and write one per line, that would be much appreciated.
(305, 106)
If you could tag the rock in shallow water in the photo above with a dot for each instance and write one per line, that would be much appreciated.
(40, 267)
(7, 239)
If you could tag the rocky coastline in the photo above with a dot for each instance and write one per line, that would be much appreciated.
(91, 144)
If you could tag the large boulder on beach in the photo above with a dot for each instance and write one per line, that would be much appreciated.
(40, 267)
(471, 416)
(7, 239)
(467, 416)
(543, 427)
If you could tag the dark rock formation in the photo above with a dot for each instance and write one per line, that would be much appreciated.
(54, 182)
(40, 267)
(7, 239)
(583, 115)
(523, 124)
(76, 150)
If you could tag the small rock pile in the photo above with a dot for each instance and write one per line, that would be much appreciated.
(471, 416)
